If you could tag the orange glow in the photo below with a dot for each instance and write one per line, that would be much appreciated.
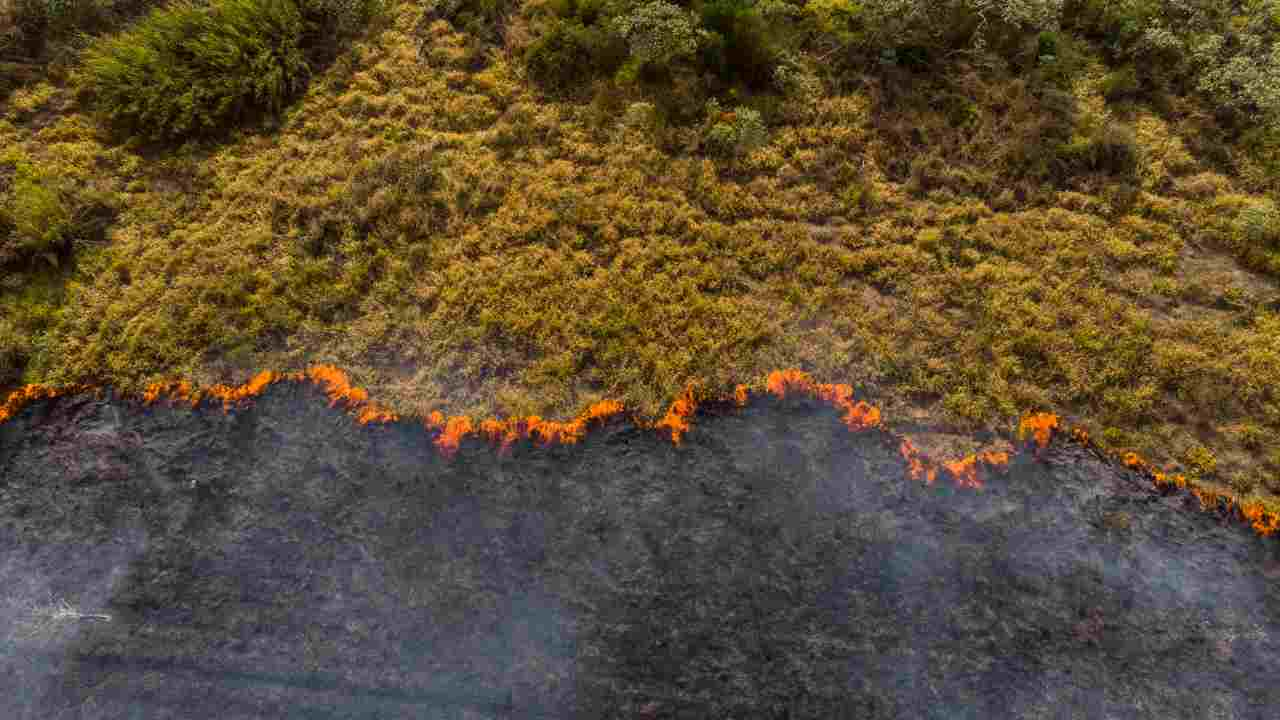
(450, 439)
(28, 394)
(677, 418)
(1264, 522)
(232, 396)
(507, 432)
(338, 388)
(915, 466)
(857, 416)
(175, 390)
(965, 470)
(1040, 425)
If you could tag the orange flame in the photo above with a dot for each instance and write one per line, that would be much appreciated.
(918, 466)
(175, 389)
(965, 470)
(232, 396)
(28, 394)
(677, 418)
(1039, 425)
(860, 416)
(454, 430)
(857, 416)
(507, 432)
(1264, 522)
(334, 382)
(915, 466)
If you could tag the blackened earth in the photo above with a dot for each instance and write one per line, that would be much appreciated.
(282, 562)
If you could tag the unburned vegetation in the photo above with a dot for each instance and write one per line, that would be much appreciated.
(522, 208)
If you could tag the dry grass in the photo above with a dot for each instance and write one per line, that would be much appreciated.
(459, 242)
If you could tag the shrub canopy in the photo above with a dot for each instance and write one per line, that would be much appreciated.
(191, 67)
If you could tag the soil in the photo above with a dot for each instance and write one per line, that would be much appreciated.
(281, 561)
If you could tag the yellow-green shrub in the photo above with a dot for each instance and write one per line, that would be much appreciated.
(1259, 224)
(191, 67)
(42, 214)
(570, 51)
(35, 218)
(30, 27)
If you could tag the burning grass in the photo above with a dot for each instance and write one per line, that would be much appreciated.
(1037, 429)
(456, 240)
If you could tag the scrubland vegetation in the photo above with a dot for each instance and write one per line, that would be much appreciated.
(969, 209)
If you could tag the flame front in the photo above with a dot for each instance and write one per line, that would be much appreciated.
(28, 394)
(676, 421)
(965, 470)
(857, 416)
(507, 432)
(1039, 425)
(916, 463)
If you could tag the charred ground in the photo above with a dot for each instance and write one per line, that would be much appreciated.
(281, 561)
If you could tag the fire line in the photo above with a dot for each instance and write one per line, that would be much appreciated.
(1037, 429)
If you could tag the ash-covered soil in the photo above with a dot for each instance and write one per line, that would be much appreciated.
(281, 561)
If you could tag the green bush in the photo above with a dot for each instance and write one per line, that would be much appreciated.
(1120, 84)
(738, 47)
(338, 18)
(1114, 149)
(733, 133)
(1111, 149)
(912, 32)
(14, 349)
(1259, 224)
(1226, 51)
(37, 216)
(657, 33)
(570, 52)
(190, 67)
(483, 19)
(42, 214)
(588, 11)
(22, 24)
(28, 26)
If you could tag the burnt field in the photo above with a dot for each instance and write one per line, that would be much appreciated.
(280, 560)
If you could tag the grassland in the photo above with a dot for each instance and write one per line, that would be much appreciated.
(456, 238)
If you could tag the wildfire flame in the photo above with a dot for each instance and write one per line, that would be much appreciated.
(965, 470)
(1264, 522)
(676, 421)
(28, 394)
(916, 463)
(860, 415)
(1041, 426)
(857, 416)
(507, 432)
